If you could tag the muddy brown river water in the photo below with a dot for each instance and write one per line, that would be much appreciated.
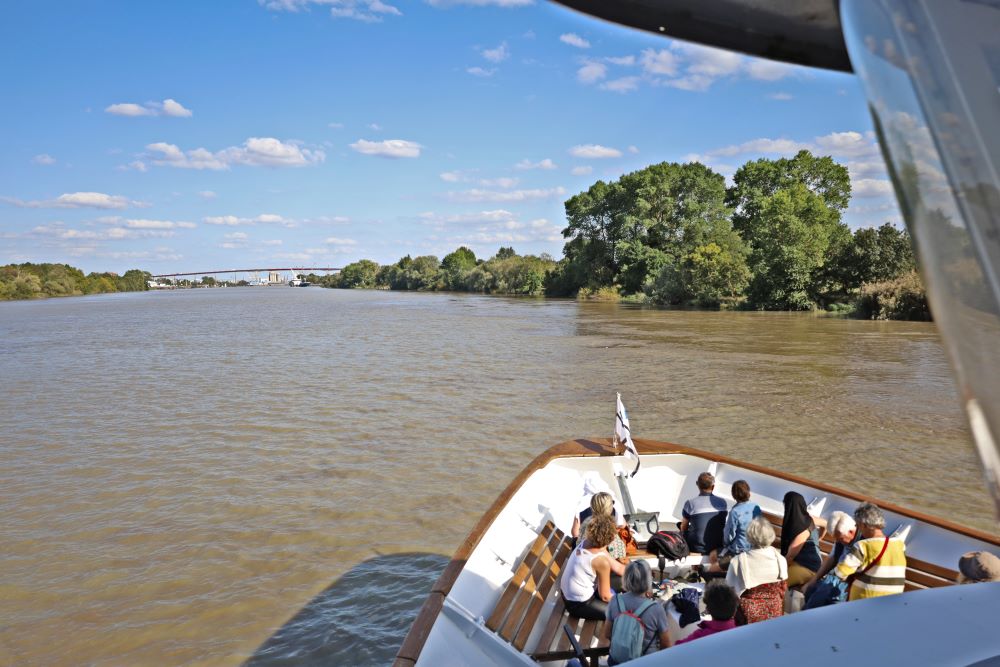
(207, 477)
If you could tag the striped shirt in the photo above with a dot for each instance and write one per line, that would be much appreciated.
(886, 577)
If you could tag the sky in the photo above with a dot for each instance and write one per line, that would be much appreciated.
(198, 136)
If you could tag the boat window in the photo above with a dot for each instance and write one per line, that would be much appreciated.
(931, 71)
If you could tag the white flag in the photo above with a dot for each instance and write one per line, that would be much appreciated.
(623, 436)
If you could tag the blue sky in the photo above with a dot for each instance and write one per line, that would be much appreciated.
(194, 136)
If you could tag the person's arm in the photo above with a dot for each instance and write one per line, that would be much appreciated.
(796, 545)
(850, 563)
(827, 565)
(575, 530)
(602, 568)
(820, 524)
(665, 640)
(617, 567)
(729, 534)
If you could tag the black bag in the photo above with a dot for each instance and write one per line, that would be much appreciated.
(669, 544)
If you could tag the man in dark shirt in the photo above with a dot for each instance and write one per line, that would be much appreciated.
(704, 517)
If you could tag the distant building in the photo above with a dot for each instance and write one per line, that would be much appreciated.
(273, 277)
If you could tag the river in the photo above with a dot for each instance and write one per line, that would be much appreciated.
(204, 477)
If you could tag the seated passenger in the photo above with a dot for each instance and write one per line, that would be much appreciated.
(759, 576)
(823, 590)
(704, 517)
(721, 602)
(586, 577)
(800, 535)
(978, 567)
(877, 562)
(734, 537)
(603, 503)
(638, 584)
(592, 485)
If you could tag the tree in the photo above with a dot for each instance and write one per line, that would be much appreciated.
(456, 266)
(134, 280)
(505, 253)
(361, 274)
(793, 232)
(208, 281)
(627, 232)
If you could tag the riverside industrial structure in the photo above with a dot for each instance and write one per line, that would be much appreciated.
(272, 276)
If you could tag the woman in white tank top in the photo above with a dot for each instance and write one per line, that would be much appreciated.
(586, 579)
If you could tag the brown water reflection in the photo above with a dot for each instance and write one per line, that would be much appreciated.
(184, 471)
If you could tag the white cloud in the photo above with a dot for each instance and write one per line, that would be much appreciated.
(375, 126)
(768, 70)
(368, 11)
(574, 40)
(167, 107)
(480, 3)
(207, 195)
(592, 151)
(581, 171)
(255, 152)
(237, 236)
(77, 200)
(787, 146)
(478, 195)
(390, 148)
(496, 55)
(333, 240)
(592, 72)
(158, 224)
(481, 72)
(626, 84)
(44, 159)
(335, 126)
(502, 182)
(233, 221)
(624, 61)
(272, 242)
(870, 187)
(547, 164)
(662, 62)
(634, 150)
(451, 176)
(781, 97)
(58, 231)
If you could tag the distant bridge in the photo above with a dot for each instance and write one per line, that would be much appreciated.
(211, 273)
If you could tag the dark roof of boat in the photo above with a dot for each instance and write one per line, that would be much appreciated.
(803, 32)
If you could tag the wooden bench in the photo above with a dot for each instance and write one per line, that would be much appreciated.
(919, 573)
(535, 580)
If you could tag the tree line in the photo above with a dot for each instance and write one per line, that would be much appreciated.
(675, 234)
(504, 273)
(32, 281)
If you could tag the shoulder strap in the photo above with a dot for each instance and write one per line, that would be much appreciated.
(621, 604)
(885, 545)
(638, 614)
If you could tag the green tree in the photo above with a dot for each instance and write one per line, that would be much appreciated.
(361, 274)
(134, 280)
(793, 232)
(505, 253)
(456, 266)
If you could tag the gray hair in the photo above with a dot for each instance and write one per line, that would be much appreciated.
(840, 523)
(870, 515)
(760, 533)
(638, 577)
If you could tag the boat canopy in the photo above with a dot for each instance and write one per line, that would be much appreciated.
(802, 32)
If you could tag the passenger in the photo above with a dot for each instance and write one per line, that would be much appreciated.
(875, 565)
(704, 517)
(800, 535)
(759, 576)
(831, 589)
(603, 503)
(592, 485)
(977, 567)
(638, 584)
(721, 602)
(734, 537)
(586, 578)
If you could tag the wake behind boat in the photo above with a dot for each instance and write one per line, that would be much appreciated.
(498, 601)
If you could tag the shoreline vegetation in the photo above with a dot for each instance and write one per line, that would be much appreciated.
(675, 235)
(669, 235)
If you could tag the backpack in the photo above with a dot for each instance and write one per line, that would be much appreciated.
(628, 633)
(668, 543)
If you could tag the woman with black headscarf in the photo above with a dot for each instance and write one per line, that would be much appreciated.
(800, 535)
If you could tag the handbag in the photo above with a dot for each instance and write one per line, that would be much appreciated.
(631, 546)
